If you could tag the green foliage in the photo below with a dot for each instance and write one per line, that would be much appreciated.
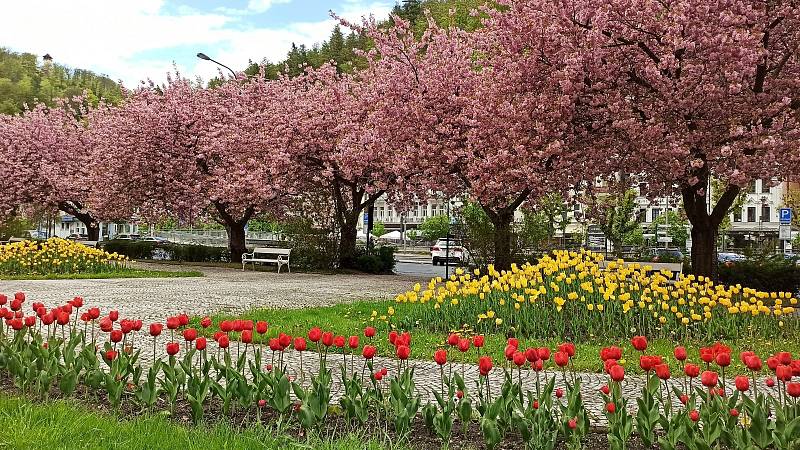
(678, 230)
(15, 227)
(555, 209)
(435, 227)
(618, 220)
(24, 82)
(378, 229)
(174, 252)
(535, 229)
(774, 273)
(477, 232)
(379, 261)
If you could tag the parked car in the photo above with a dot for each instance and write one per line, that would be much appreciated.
(78, 237)
(664, 255)
(456, 254)
(155, 239)
(127, 237)
(724, 257)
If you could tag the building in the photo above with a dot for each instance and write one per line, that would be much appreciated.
(63, 225)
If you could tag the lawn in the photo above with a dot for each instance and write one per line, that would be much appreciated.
(351, 318)
(128, 273)
(67, 424)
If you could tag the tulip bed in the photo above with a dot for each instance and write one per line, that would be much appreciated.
(57, 256)
(75, 350)
(569, 294)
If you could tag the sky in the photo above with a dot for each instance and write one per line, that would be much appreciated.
(135, 40)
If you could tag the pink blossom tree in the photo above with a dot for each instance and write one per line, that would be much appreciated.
(693, 90)
(46, 162)
(183, 151)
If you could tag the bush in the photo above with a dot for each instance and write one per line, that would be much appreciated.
(768, 274)
(173, 252)
(380, 260)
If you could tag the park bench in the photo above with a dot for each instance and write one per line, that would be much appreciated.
(279, 256)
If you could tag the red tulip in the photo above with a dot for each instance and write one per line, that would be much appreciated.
(261, 327)
(723, 359)
(793, 389)
(617, 373)
(200, 343)
(62, 318)
(463, 345)
(784, 358)
(3, 299)
(116, 335)
(300, 344)
(605, 389)
(137, 325)
(392, 337)
(113, 315)
(223, 341)
(173, 323)
(561, 359)
(568, 348)
(509, 352)
(284, 339)
(559, 393)
(314, 334)
(519, 358)
(404, 339)
(773, 363)
(744, 355)
(19, 296)
(543, 353)
(111, 355)
(680, 353)
(440, 356)
(16, 324)
(339, 341)
(709, 378)
(378, 376)
(459, 394)
(639, 343)
(30, 321)
(369, 332)
(352, 342)
(16, 305)
(485, 365)
(190, 334)
(67, 308)
(536, 404)
(783, 373)
(155, 329)
(662, 371)
(368, 352)
(275, 345)
(247, 325)
(94, 313)
(684, 398)
(247, 336)
(77, 302)
(514, 342)
(742, 383)
(183, 319)
(572, 424)
(611, 408)
(226, 326)
(694, 415)
(218, 334)
(205, 322)
(531, 354)
(478, 341)
(403, 352)
(753, 363)
(327, 338)
(173, 348)
(608, 364)
(734, 412)
(691, 370)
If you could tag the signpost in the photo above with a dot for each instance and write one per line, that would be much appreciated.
(785, 229)
(785, 216)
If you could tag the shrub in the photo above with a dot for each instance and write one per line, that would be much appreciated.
(380, 260)
(173, 252)
(769, 274)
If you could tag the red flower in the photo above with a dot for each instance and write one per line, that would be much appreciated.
(559, 393)
(691, 370)
(459, 394)
(77, 302)
(478, 341)
(536, 404)
(30, 321)
(190, 334)
(247, 336)
(205, 322)
(105, 324)
(537, 365)
(680, 353)
(662, 371)
(772, 363)
(327, 339)
(353, 342)
(16, 324)
(238, 325)
(19, 296)
(16, 305)
(572, 424)
(94, 313)
(519, 358)
(783, 373)
(617, 373)
(684, 398)
(403, 352)
(513, 342)
(440, 356)
(561, 359)
(742, 383)
(734, 412)
(612, 352)
(275, 345)
(744, 355)
(218, 334)
(784, 358)
(611, 408)
(723, 359)
(793, 389)
(404, 339)
(709, 378)
(531, 354)
(284, 339)
(463, 345)
(568, 348)
(770, 382)
(605, 389)
(155, 329)
(173, 323)
(608, 364)
(223, 341)
(200, 343)
(509, 352)
(392, 337)
(116, 335)
(111, 355)
(639, 343)
(226, 326)
(137, 325)
(314, 334)
(62, 318)
(485, 365)
(368, 352)
(694, 415)
(369, 332)
(543, 353)
(113, 315)
(378, 376)
(3, 299)
(261, 327)
(707, 354)
(173, 348)
(300, 344)
(753, 363)
(339, 341)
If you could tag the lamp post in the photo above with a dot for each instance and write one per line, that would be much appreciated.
(205, 57)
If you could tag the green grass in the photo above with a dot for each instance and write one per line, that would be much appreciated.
(351, 318)
(106, 275)
(67, 425)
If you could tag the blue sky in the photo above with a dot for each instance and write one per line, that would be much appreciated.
(136, 40)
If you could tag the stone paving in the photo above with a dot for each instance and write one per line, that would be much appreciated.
(232, 291)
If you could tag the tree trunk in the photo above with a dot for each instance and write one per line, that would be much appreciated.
(85, 217)
(236, 240)
(347, 241)
(502, 239)
(349, 201)
(704, 251)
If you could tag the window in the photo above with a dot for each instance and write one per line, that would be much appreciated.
(765, 214)
(764, 187)
(656, 213)
(751, 213)
(752, 187)
(380, 212)
(737, 215)
(641, 215)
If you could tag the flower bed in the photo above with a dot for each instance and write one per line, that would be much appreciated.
(57, 256)
(568, 294)
(73, 348)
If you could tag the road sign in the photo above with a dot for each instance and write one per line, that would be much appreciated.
(366, 218)
(786, 215)
(665, 239)
(785, 232)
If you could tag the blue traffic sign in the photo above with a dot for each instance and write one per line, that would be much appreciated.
(786, 215)
(366, 218)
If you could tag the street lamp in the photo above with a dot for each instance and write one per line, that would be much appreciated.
(205, 57)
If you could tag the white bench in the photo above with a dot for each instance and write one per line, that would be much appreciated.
(279, 256)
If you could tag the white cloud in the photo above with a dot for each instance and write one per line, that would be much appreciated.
(133, 41)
